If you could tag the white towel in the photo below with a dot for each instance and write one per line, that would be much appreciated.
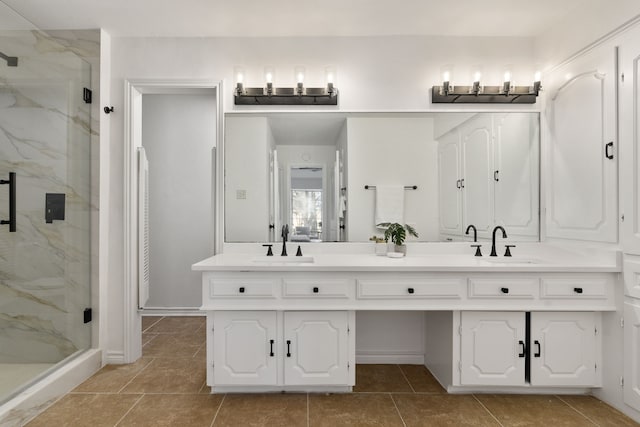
(343, 206)
(389, 204)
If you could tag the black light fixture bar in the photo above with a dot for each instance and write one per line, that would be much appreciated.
(286, 96)
(485, 95)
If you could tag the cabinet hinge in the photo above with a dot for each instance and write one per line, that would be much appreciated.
(348, 330)
(622, 77)
(622, 218)
(595, 367)
(595, 331)
(460, 330)
(87, 95)
(348, 366)
(459, 366)
(622, 382)
(622, 322)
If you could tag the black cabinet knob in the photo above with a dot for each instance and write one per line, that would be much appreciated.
(410, 290)
(577, 290)
(504, 290)
(316, 290)
(241, 290)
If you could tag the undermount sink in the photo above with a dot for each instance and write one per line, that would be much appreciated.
(284, 259)
(511, 260)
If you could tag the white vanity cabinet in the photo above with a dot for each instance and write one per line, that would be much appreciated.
(562, 349)
(251, 348)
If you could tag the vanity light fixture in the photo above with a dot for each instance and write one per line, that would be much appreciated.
(506, 93)
(298, 95)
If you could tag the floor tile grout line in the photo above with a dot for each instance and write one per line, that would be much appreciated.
(153, 324)
(217, 411)
(487, 409)
(130, 409)
(406, 379)
(395, 405)
(136, 375)
(576, 410)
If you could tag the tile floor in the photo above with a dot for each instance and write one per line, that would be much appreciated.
(166, 387)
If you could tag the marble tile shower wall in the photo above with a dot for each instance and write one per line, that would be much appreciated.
(46, 137)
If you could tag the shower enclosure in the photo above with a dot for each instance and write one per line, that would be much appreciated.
(45, 202)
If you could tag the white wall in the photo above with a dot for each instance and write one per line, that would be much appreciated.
(373, 73)
(178, 134)
(583, 27)
(246, 170)
(392, 151)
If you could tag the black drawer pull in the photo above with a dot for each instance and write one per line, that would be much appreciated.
(521, 354)
(537, 344)
(504, 290)
(271, 350)
(241, 290)
(410, 290)
(577, 290)
(288, 348)
(316, 290)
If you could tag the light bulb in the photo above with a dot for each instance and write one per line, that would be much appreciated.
(536, 76)
(446, 76)
(507, 76)
(476, 76)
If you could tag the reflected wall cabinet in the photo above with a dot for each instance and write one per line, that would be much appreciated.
(488, 176)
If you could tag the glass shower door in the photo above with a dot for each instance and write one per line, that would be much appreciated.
(45, 203)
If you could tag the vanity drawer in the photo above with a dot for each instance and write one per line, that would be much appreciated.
(243, 288)
(583, 288)
(503, 288)
(323, 288)
(411, 288)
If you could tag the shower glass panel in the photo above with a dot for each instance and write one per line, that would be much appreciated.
(45, 149)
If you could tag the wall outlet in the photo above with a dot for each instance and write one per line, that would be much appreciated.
(241, 194)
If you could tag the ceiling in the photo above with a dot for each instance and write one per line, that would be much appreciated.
(260, 18)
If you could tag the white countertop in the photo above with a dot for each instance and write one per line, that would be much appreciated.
(537, 257)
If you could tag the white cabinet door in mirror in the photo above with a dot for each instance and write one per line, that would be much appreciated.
(580, 114)
(449, 183)
(515, 173)
(477, 182)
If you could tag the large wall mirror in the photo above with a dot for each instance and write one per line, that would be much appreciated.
(333, 176)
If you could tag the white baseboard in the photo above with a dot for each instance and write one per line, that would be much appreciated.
(114, 358)
(390, 359)
(281, 389)
(171, 311)
(35, 399)
(517, 390)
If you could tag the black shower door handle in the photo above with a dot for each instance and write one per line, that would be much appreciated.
(12, 201)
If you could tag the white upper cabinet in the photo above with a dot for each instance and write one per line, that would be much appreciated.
(515, 173)
(629, 59)
(477, 182)
(582, 165)
(449, 181)
(488, 169)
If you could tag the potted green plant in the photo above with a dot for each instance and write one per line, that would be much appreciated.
(397, 233)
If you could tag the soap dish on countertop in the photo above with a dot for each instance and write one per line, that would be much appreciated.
(395, 254)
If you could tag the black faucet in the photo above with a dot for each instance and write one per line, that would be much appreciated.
(475, 232)
(493, 239)
(284, 234)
